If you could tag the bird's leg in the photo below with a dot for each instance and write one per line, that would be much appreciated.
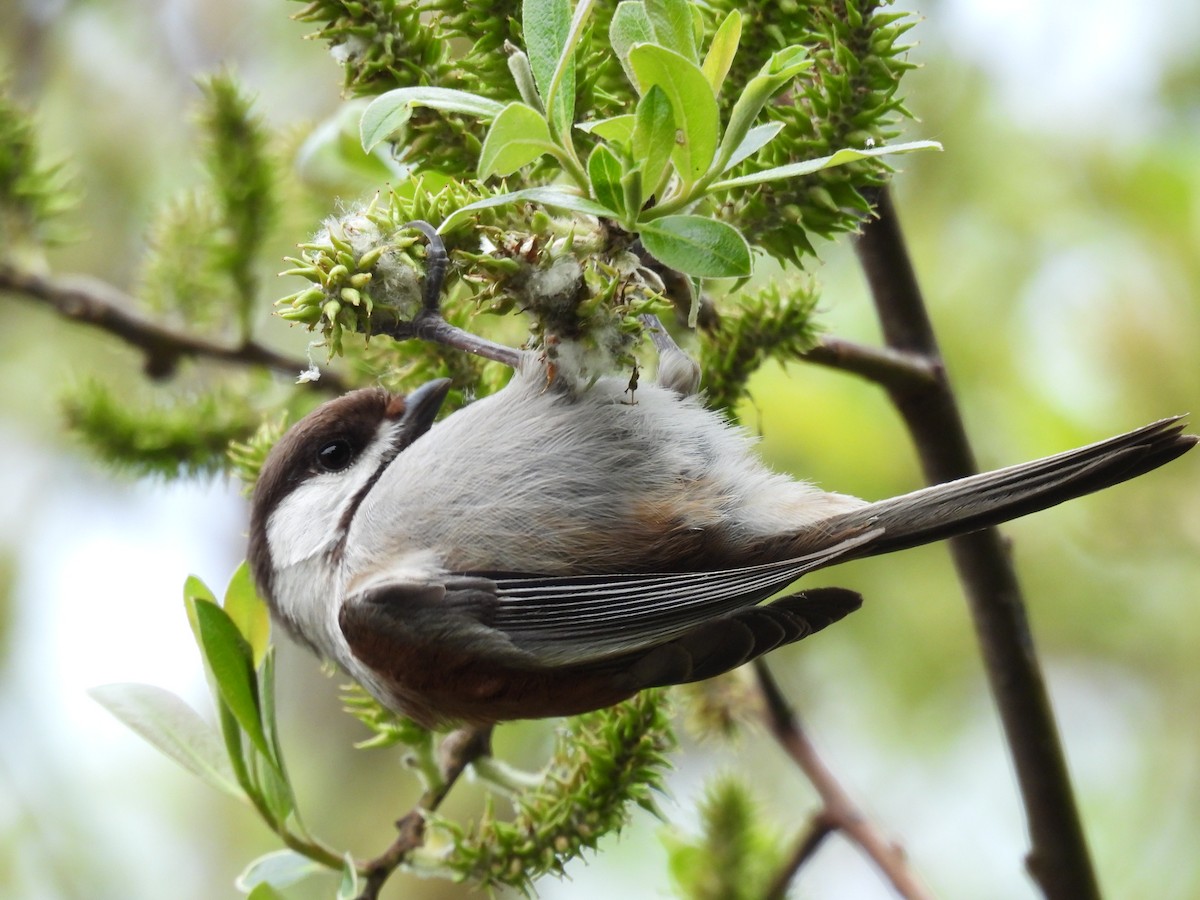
(429, 325)
(677, 371)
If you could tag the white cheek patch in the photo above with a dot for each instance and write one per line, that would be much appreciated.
(308, 520)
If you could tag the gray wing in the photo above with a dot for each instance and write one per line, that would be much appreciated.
(571, 620)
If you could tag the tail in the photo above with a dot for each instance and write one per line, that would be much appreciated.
(980, 501)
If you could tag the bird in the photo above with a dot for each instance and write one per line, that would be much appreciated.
(558, 546)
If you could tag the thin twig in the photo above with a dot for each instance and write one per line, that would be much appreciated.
(819, 828)
(96, 303)
(1059, 859)
(430, 326)
(839, 812)
(890, 368)
(458, 751)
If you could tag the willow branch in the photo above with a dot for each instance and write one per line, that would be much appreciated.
(1058, 859)
(100, 305)
(839, 812)
(890, 368)
(819, 828)
(458, 751)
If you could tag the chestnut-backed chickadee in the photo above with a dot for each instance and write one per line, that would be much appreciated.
(555, 548)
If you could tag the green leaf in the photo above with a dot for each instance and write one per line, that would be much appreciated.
(231, 662)
(231, 733)
(722, 50)
(653, 136)
(264, 891)
(698, 246)
(277, 790)
(546, 25)
(518, 136)
(194, 589)
(630, 26)
(248, 611)
(605, 173)
(277, 869)
(808, 167)
(617, 130)
(757, 138)
(697, 120)
(389, 112)
(632, 192)
(777, 71)
(563, 80)
(348, 886)
(671, 21)
(173, 727)
(555, 198)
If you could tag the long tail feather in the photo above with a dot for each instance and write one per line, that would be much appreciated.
(979, 501)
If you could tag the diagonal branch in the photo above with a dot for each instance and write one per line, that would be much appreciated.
(96, 303)
(1059, 859)
(839, 812)
(458, 751)
(888, 367)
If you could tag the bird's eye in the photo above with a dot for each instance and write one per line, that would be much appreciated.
(335, 455)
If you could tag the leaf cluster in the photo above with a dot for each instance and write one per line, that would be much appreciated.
(735, 856)
(603, 762)
(848, 97)
(202, 267)
(652, 171)
(772, 323)
(33, 194)
(185, 436)
(243, 756)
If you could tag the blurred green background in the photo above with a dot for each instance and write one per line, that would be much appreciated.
(1058, 242)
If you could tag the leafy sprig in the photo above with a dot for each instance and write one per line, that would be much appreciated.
(627, 176)
(33, 194)
(603, 763)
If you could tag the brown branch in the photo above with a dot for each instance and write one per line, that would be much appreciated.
(890, 368)
(96, 303)
(1059, 859)
(819, 828)
(838, 811)
(458, 751)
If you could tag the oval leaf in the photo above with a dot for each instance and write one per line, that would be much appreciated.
(782, 67)
(248, 611)
(231, 662)
(546, 24)
(722, 50)
(808, 167)
(563, 81)
(605, 173)
(546, 196)
(279, 869)
(697, 120)
(348, 885)
(672, 24)
(630, 26)
(518, 136)
(757, 138)
(173, 727)
(653, 136)
(194, 589)
(388, 112)
(698, 246)
(617, 130)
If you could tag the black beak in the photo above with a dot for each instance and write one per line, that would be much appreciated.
(421, 407)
